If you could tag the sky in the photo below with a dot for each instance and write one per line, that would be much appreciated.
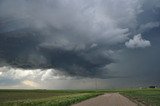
(84, 44)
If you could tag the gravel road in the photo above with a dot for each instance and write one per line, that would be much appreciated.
(110, 99)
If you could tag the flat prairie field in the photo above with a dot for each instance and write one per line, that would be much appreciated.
(149, 97)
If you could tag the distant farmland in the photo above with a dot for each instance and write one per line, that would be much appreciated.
(150, 97)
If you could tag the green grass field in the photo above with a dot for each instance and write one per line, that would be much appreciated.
(44, 97)
(150, 97)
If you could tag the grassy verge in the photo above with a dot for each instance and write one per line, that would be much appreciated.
(149, 97)
(65, 100)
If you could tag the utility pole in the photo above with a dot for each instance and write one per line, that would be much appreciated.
(96, 84)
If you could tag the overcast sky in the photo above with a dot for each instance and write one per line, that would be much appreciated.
(74, 44)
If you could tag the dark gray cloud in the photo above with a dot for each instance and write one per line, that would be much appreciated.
(27, 52)
(51, 34)
(79, 38)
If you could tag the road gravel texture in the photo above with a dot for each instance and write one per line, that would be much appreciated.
(110, 99)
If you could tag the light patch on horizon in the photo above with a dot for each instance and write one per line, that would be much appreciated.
(30, 84)
(0, 73)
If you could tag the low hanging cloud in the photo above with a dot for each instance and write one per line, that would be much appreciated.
(29, 78)
(23, 74)
(38, 78)
(138, 42)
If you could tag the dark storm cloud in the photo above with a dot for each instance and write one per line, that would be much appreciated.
(41, 35)
(75, 37)
(23, 49)
(83, 63)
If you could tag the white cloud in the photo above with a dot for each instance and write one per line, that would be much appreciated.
(53, 74)
(42, 74)
(94, 45)
(17, 73)
(138, 42)
(148, 26)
